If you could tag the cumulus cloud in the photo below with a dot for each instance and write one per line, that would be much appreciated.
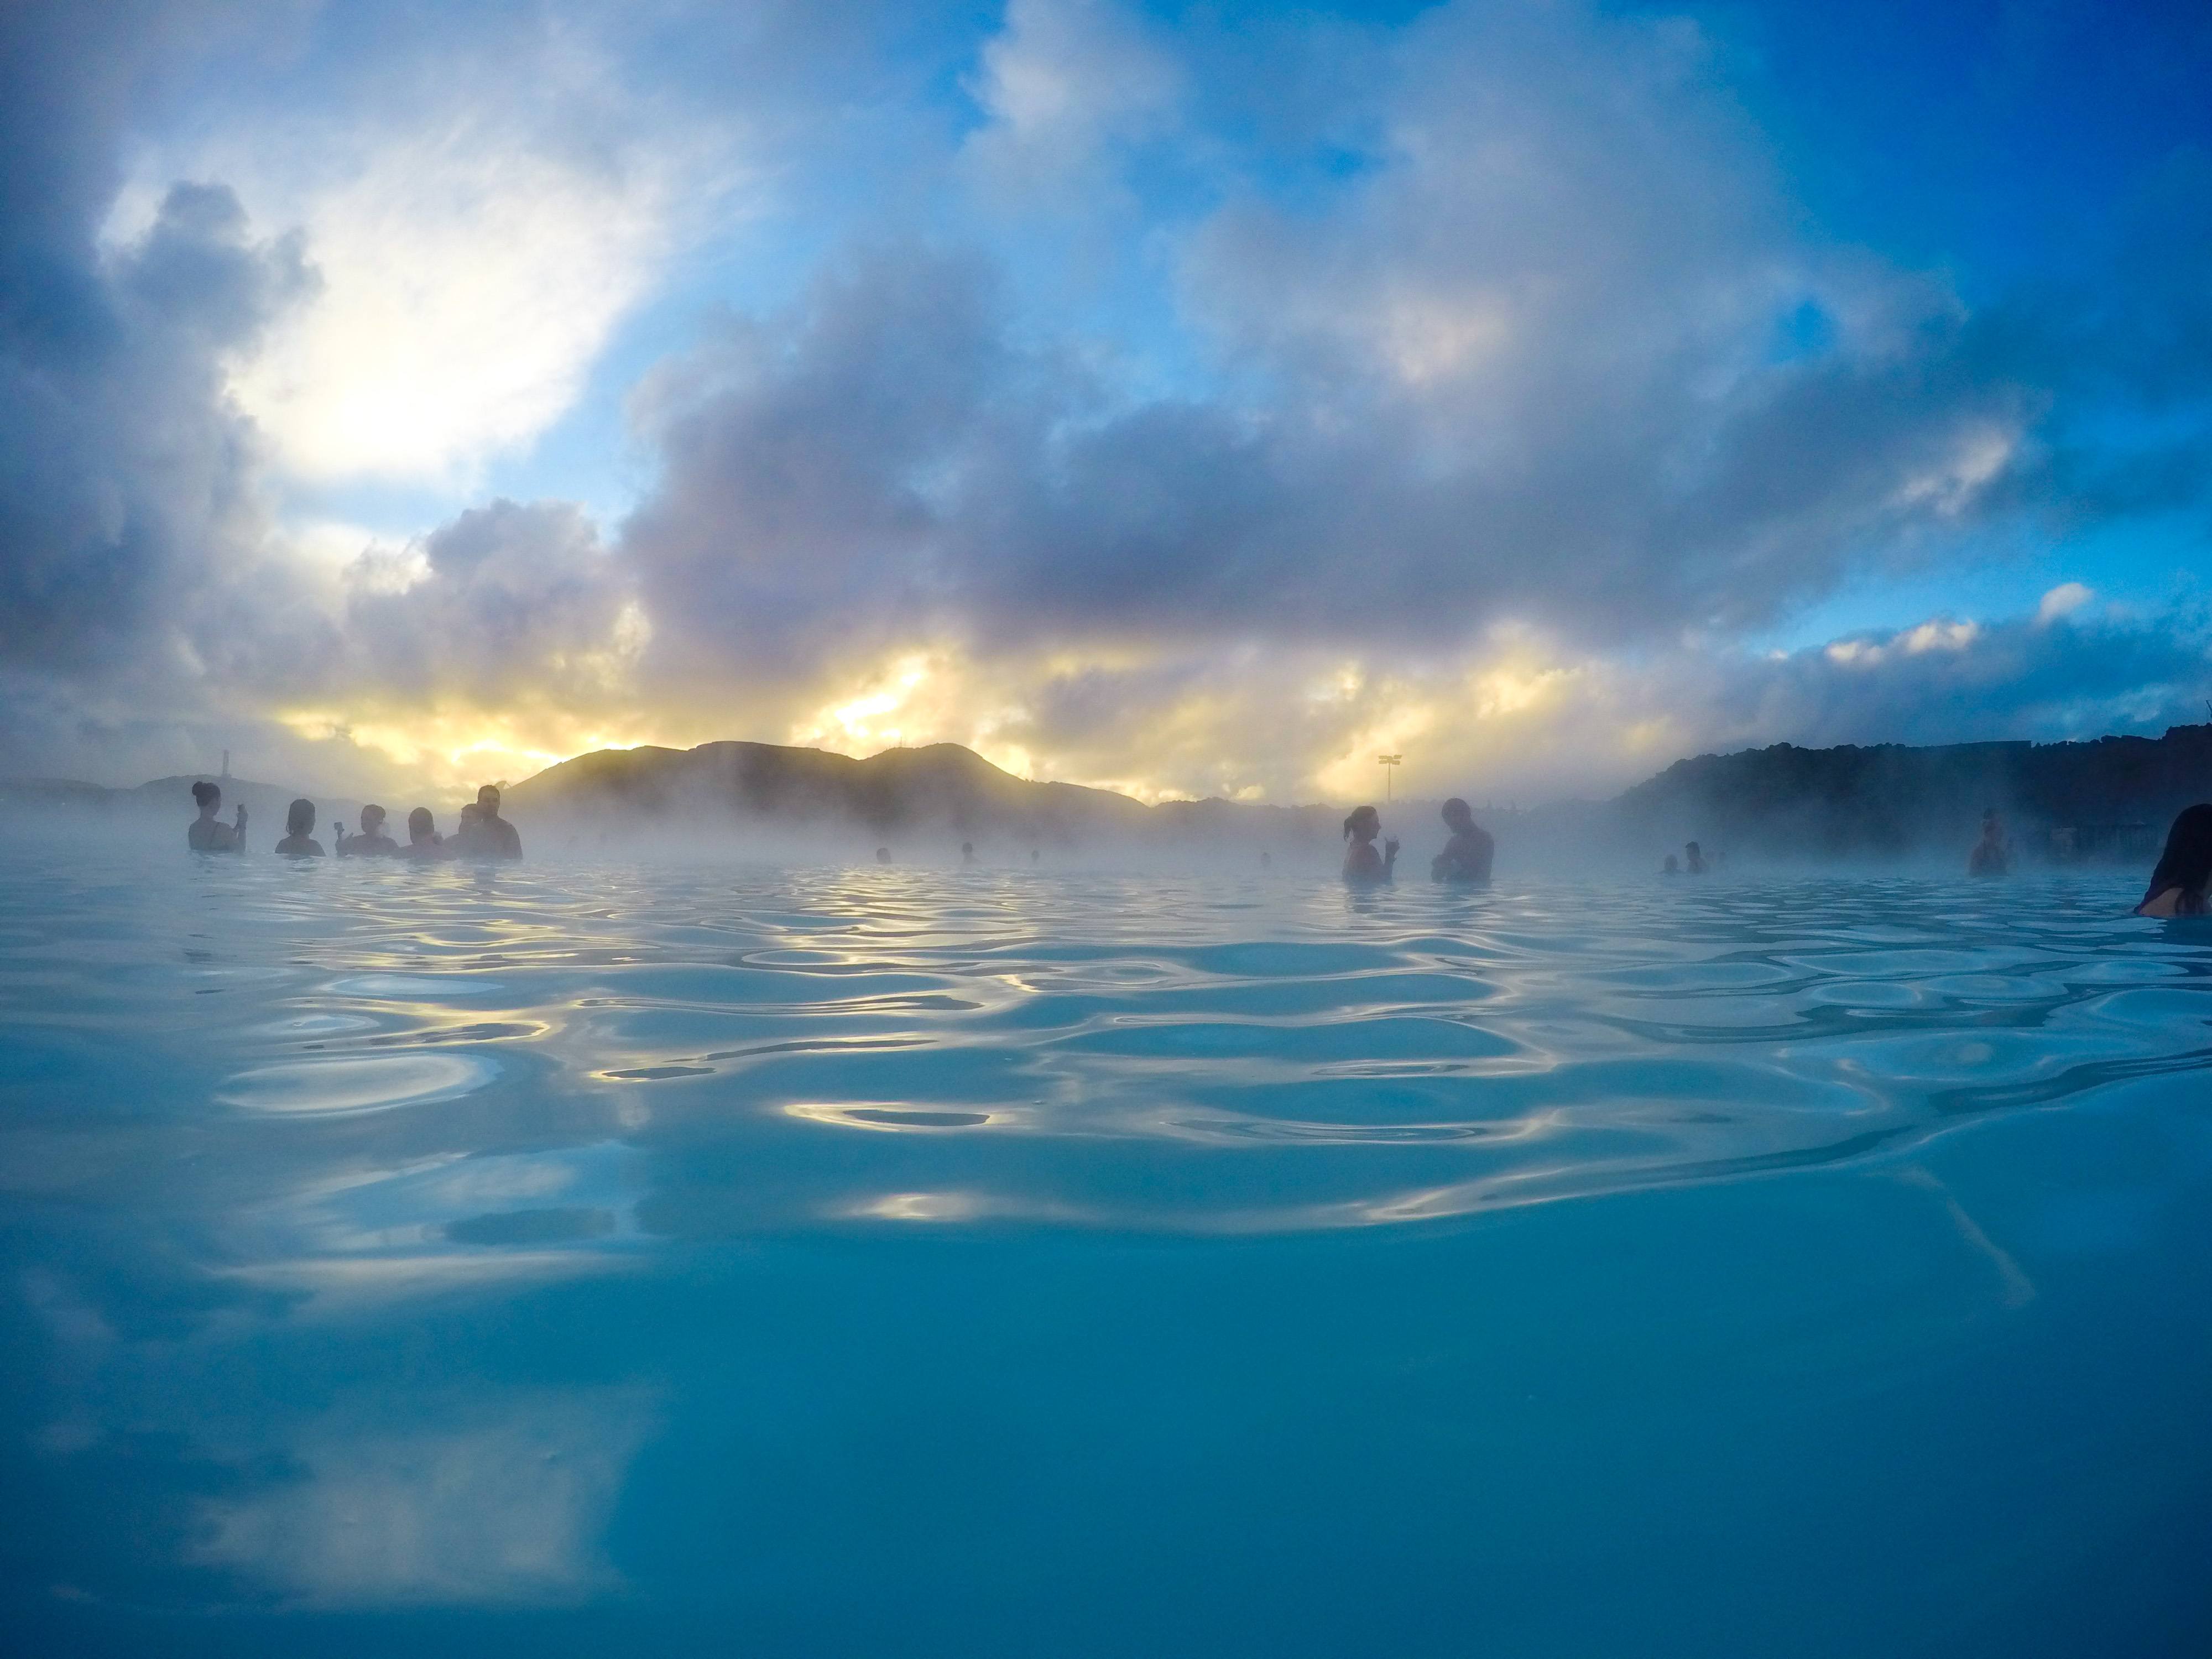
(1537, 337)
(1062, 84)
(509, 628)
(482, 224)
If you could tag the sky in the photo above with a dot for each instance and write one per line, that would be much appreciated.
(1192, 399)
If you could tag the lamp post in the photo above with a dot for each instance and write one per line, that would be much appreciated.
(1389, 763)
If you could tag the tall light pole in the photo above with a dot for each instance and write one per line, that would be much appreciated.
(1389, 763)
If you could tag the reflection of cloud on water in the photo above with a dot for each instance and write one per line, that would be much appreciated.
(338, 1286)
(508, 1510)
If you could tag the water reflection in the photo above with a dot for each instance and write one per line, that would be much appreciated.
(504, 1502)
(1151, 1056)
(370, 1280)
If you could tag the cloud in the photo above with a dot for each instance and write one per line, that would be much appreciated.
(1537, 337)
(466, 652)
(125, 478)
(481, 228)
(2063, 600)
(1063, 83)
(1477, 403)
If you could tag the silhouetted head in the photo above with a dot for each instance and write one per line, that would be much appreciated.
(967, 849)
(207, 795)
(1673, 868)
(300, 818)
(421, 826)
(1458, 815)
(1365, 822)
(488, 800)
(883, 855)
(2187, 861)
(372, 820)
(1691, 848)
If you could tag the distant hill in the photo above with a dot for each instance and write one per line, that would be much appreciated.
(2108, 795)
(2112, 796)
(942, 789)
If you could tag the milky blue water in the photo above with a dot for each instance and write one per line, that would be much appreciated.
(886, 1262)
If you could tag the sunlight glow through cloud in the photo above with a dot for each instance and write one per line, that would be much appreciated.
(476, 250)
(469, 288)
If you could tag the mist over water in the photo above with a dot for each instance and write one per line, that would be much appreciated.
(845, 1259)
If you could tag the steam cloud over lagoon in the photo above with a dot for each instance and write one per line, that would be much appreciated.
(1184, 405)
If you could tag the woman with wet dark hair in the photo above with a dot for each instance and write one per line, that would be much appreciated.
(2185, 869)
(300, 841)
(208, 834)
(1363, 867)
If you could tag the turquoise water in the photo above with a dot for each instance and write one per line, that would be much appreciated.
(886, 1262)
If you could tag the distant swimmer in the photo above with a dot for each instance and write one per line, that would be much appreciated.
(1468, 854)
(1361, 865)
(483, 834)
(883, 855)
(207, 833)
(300, 841)
(1670, 868)
(424, 845)
(1992, 853)
(966, 852)
(372, 841)
(2178, 886)
(1694, 861)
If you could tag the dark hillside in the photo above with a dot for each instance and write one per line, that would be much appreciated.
(941, 787)
(2110, 793)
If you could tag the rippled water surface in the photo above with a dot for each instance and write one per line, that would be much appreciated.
(821, 1261)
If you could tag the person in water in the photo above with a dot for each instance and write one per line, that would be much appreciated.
(2178, 884)
(1992, 853)
(483, 834)
(208, 834)
(966, 852)
(883, 855)
(300, 841)
(424, 844)
(372, 841)
(1694, 861)
(1362, 865)
(1670, 868)
(1468, 854)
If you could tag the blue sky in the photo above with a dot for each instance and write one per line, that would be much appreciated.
(1192, 399)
